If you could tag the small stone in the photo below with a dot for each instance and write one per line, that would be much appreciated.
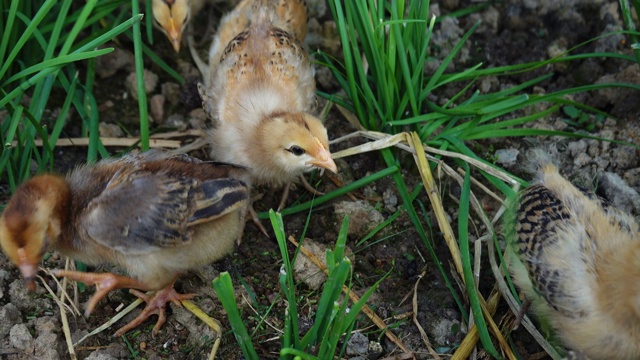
(156, 107)
(110, 130)
(171, 92)
(602, 163)
(507, 157)
(619, 193)
(199, 332)
(100, 355)
(10, 316)
(625, 157)
(594, 148)
(20, 337)
(632, 177)
(108, 64)
(581, 160)
(358, 344)
(26, 300)
(304, 270)
(489, 84)
(45, 324)
(176, 121)
(577, 147)
(45, 346)
(150, 83)
(442, 331)
(362, 217)
(390, 200)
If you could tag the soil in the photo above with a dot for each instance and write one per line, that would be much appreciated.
(511, 32)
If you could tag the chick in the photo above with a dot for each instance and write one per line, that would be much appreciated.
(577, 260)
(154, 214)
(172, 17)
(261, 94)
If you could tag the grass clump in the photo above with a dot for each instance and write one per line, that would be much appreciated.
(41, 45)
(335, 318)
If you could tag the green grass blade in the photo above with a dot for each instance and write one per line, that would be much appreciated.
(472, 291)
(224, 289)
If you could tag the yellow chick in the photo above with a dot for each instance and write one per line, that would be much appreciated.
(154, 214)
(261, 93)
(172, 17)
(577, 260)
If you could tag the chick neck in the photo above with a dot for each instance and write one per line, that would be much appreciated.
(55, 203)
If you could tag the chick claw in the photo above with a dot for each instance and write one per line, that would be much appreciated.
(156, 304)
(104, 282)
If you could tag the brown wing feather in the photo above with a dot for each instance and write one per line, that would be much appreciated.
(165, 195)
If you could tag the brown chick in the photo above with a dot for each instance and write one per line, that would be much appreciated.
(261, 94)
(577, 260)
(172, 17)
(154, 214)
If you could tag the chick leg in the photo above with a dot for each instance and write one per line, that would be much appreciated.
(310, 188)
(156, 304)
(104, 282)
(285, 195)
(523, 311)
(305, 184)
(254, 216)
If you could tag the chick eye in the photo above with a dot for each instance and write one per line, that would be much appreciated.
(296, 150)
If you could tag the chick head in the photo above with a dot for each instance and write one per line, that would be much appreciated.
(33, 220)
(171, 17)
(298, 141)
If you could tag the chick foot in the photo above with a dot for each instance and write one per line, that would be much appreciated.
(104, 282)
(156, 304)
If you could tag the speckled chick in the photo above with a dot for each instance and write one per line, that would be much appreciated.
(288, 15)
(578, 261)
(154, 214)
(172, 17)
(262, 92)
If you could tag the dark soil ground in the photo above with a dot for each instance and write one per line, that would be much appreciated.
(512, 32)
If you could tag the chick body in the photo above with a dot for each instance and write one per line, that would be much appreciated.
(156, 215)
(261, 94)
(578, 261)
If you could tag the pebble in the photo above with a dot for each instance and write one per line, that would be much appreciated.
(177, 122)
(619, 193)
(304, 270)
(107, 65)
(20, 337)
(358, 344)
(507, 157)
(10, 316)
(110, 130)
(362, 217)
(156, 107)
(150, 83)
(171, 92)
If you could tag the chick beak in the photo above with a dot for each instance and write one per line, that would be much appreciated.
(27, 269)
(323, 160)
(174, 34)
